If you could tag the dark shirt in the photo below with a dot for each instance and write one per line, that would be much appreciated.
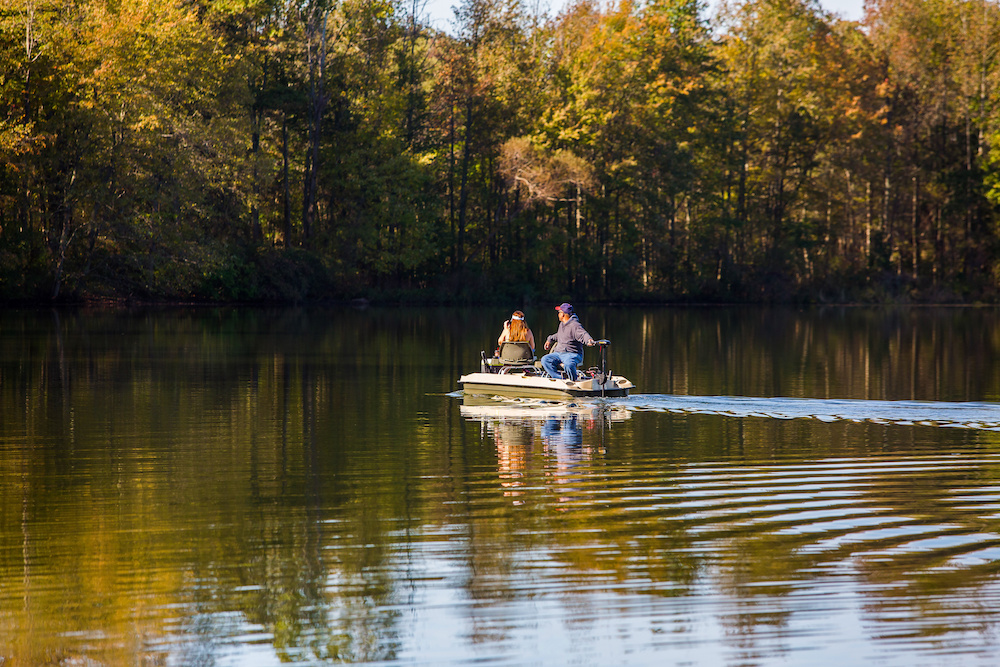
(571, 337)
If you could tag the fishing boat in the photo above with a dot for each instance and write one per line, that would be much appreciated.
(515, 372)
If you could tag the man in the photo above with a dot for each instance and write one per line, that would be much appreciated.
(569, 341)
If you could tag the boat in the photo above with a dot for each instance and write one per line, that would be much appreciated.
(514, 371)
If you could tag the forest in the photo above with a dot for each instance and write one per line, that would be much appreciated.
(618, 152)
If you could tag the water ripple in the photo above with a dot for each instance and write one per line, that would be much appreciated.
(919, 515)
(787, 554)
(973, 415)
(969, 414)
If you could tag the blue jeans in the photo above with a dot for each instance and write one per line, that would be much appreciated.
(568, 360)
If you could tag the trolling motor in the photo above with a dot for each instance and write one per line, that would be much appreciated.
(604, 373)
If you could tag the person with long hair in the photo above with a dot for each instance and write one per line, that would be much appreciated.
(515, 330)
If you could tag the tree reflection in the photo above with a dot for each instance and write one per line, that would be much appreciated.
(174, 484)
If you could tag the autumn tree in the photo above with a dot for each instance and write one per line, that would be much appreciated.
(941, 56)
(480, 100)
(627, 96)
(794, 114)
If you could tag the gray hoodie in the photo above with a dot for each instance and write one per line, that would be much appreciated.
(571, 336)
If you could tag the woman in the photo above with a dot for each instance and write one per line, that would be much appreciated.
(515, 331)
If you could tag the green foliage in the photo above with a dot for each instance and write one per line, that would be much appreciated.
(282, 276)
(265, 150)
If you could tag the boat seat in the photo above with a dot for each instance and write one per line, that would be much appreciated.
(516, 353)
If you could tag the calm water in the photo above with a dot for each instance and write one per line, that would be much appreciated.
(306, 486)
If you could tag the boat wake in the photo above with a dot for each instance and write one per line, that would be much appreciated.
(968, 415)
(982, 416)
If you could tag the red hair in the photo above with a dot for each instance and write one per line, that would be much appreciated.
(517, 330)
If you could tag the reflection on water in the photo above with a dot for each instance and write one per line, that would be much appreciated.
(258, 487)
(796, 560)
(553, 429)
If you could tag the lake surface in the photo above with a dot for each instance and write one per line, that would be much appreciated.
(205, 486)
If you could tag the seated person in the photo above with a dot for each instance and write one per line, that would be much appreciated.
(569, 340)
(516, 331)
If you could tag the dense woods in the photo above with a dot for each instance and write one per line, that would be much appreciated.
(631, 151)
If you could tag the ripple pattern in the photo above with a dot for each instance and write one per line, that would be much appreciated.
(913, 512)
(974, 415)
(790, 560)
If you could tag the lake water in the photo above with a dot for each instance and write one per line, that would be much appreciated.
(204, 486)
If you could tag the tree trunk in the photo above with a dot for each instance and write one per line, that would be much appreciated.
(915, 227)
(286, 194)
(451, 190)
(317, 105)
(463, 193)
(869, 212)
(255, 230)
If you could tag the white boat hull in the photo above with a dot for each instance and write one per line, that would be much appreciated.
(519, 384)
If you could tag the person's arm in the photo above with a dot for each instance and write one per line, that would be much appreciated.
(580, 334)
(531, 340)
(550, 339)
(505, 334)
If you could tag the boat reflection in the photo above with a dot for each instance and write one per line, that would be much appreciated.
(562, 436)
(531, 409)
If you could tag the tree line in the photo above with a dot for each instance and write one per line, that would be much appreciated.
(291, 150)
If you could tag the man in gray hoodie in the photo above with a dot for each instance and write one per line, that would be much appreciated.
(569, 341)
